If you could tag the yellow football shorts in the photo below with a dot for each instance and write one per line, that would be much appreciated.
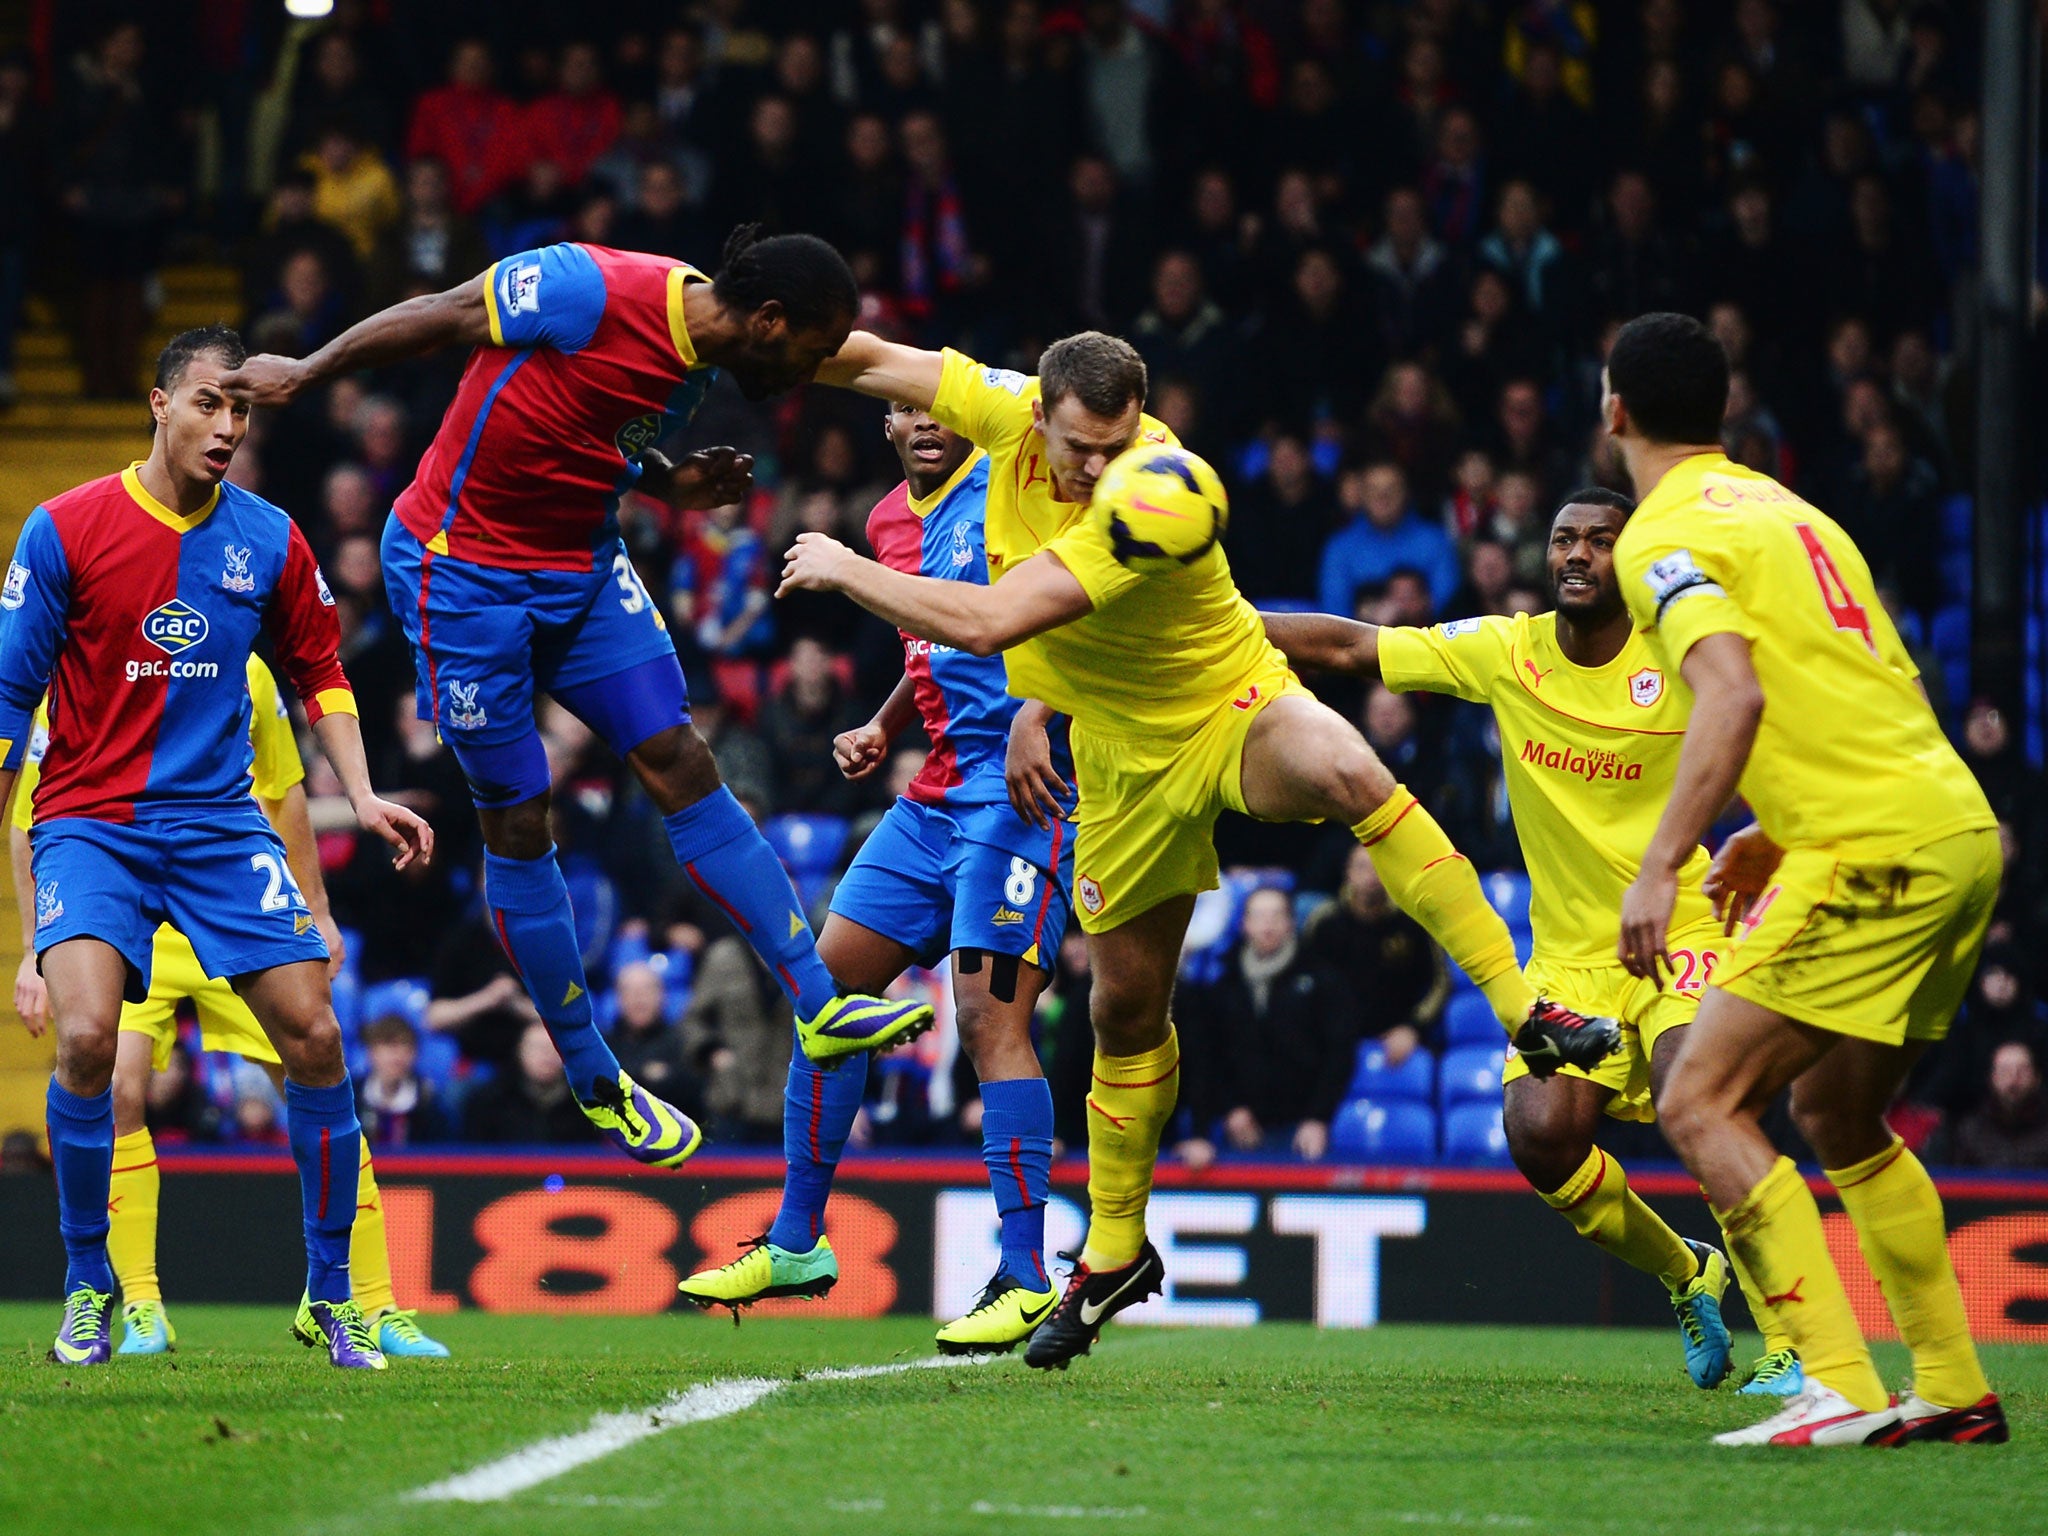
(1643, 1011)
(225, 1022)
(1146, 819)
(1879, 949)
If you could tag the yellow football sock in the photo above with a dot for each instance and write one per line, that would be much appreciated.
(1767, 1324)
(369, 1262)
(1777, 1231)
(1904, 1240)
(1598, 1202)
(1435, 884)
(1129, 1103)
(131, 1217)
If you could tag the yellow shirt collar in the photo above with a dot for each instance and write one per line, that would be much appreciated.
(919, 505)
(131, 482)
(680, 277)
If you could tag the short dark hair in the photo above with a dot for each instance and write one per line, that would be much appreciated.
(179, 351)
(1596, 496)
(805, 275)
(390, 1029)
(1672, 374)
(1103, 372)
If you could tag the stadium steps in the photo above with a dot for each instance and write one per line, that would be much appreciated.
(51, 440)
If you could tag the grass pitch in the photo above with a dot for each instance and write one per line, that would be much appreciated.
(1278, 1428)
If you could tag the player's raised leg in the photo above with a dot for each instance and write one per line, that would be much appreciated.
(819, 1104)
(1738, 1057)
(1302, 761)
(1839, 1107)
(133, 1195)
(1550, 1124)
(642, 712)
(1134, 1086)
(86, 977)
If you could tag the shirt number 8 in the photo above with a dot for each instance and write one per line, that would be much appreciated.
(1022, 882)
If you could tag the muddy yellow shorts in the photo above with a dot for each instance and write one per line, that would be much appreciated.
(1882, 949)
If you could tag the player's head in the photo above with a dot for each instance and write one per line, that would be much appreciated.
(1581, 557)
(1091, 396)
(792, 299)
(1666, 382)
(197, 425)
(929, 452)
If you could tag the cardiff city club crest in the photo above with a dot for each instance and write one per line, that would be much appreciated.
(463, 713)
(235, 576)
(1645, 687)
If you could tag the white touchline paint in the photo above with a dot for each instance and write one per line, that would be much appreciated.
(608, 1432)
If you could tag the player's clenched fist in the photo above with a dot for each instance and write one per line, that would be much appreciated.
(710, 477)
(402, 829)
(266, 379)
(813, 564)
(860, 751)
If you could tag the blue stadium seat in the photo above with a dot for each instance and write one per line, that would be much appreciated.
(407, 997)
(1399, 1131)
(1958, 521)
(352, 952)
(1374, 1079)
(629, 947)
(1287, 605)
(1471, 1074)
(348, 1002)
(1469, 1020)
(438, 1061)
(1508, 890)
(1950, 638)
(1957, 568)
(1473, 1134)
(808, 845)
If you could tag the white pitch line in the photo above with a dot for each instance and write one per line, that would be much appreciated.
(608, 1432)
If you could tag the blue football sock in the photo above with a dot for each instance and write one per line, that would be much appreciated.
(1016, 1144)
(818, 1110)
(724, 853)
(82, 1148)
(327, 1146)
(529, 906)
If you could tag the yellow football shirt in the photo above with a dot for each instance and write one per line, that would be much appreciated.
(1589, 754)
(1848, 756)
(991, 407)
(1162, 651)
(276, 767)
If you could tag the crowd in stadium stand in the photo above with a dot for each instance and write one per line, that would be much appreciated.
(1371, 254)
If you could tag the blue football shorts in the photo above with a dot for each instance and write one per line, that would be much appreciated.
(980, 877)
(486, 639)
(218, 875)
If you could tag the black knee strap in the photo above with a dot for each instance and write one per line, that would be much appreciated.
(1002, 976)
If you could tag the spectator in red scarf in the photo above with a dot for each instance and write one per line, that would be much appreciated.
(469, 127)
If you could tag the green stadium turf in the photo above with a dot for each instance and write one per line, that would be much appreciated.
(1280, 1428)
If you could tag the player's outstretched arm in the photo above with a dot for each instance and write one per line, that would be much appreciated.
(1728, 705)
(1322, 642)
(458, 317)
(860, 751)
(341, 738)
(1038, 595)
(887, 370)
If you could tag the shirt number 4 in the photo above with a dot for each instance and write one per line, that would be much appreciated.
(1834, 592)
